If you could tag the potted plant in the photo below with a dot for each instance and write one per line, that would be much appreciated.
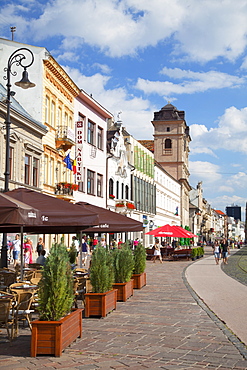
(102, 299)
(52, 333)
(111, 196)
(120, 204)
(123, 263)
(139, 274)
(193, 254)
(130, 205)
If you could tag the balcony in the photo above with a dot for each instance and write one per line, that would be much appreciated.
(65, 190)
(124, 206)
(65, 138)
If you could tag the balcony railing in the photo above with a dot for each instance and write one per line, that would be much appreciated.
(65, 137)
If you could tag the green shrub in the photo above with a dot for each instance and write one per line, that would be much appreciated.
(101, 270)
(123, 264)
(72, 254)
(139, 259)
(194, 252)
(55, 294)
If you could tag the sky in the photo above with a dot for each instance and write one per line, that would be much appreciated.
(135, 56)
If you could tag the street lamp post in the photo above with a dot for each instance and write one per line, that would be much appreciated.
(21, 57)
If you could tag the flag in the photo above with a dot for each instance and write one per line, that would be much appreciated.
(74, 166)
(67, 160)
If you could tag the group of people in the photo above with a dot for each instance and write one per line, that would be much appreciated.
(221, 249)
(15, 248)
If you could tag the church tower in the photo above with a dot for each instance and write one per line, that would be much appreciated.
(171, 150)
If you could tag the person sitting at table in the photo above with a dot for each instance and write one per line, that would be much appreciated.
(41, 259)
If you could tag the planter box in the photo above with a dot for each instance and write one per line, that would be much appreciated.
(52, 337)
(124, 290)
(140, 280)
(100, 304)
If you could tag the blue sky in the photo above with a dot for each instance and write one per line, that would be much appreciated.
(134, 56)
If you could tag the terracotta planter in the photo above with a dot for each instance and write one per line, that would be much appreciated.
(100, 304)
(52, 337)
(124, 290)
(140, 280)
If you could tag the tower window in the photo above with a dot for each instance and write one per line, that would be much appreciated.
(167, 147)
(168, 129)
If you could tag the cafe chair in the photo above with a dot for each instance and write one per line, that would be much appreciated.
(7, 314)
(79, 290)
(6, 279)
(36, 277)
(23, 310)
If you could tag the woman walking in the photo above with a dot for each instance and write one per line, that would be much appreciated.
(157, 252)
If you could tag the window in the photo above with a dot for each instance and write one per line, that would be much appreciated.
(90, 182)
(167, 146)
(100, 138)
(65, 119)
(59, 116)
(52, 114)
(52, 171)
(27, 169)
(126, 192)
(99, 185)
(168, 129)
(35, 171)
(47, 109)
(90, 132)
(122, 191)
(11, 163)
(111, 184)
(117, 190)
(45, 169)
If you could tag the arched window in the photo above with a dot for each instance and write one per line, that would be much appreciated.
(167, 146)
(111, 191)
(122, 191)
(126, 192)
(117, 189)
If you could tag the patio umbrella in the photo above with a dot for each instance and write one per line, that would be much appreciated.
(110, 221)
(14, 213)
(57, 215)
(188, 233)
(169, 231)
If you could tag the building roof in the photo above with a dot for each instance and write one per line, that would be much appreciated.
(220, 212)
(149, 144)
(16, 106)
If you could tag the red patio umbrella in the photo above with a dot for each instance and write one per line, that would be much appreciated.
(171, 231)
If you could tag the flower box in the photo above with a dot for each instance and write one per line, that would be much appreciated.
(130, 205)
(100, 304)
(120, 205)
(124, 290)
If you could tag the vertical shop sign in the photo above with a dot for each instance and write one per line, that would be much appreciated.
(79, 148)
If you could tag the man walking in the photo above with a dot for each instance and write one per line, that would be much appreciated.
(16, 248)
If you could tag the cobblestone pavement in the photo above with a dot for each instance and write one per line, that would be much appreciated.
(160, 327)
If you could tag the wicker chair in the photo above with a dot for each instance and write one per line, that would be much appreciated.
(7, 314)
(23, 310)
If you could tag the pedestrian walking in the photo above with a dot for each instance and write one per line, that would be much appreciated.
(40, 246)
(216, 252)
(225, 250)
(157, 252)
(16, 248)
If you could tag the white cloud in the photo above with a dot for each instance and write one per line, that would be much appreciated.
(102, 67)
(226, 189)
(205, 171)
(137, 113)
(201, 82)
(202, 31)
(238, 180)
(230, 134)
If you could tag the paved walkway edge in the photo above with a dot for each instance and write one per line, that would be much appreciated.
(228, 333)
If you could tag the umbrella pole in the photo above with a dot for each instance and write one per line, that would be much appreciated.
(80, 249)
(21, 253)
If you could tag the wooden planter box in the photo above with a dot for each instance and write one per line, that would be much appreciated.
(100, 304)
(124, 290)
(140, 280)
(52, 337)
